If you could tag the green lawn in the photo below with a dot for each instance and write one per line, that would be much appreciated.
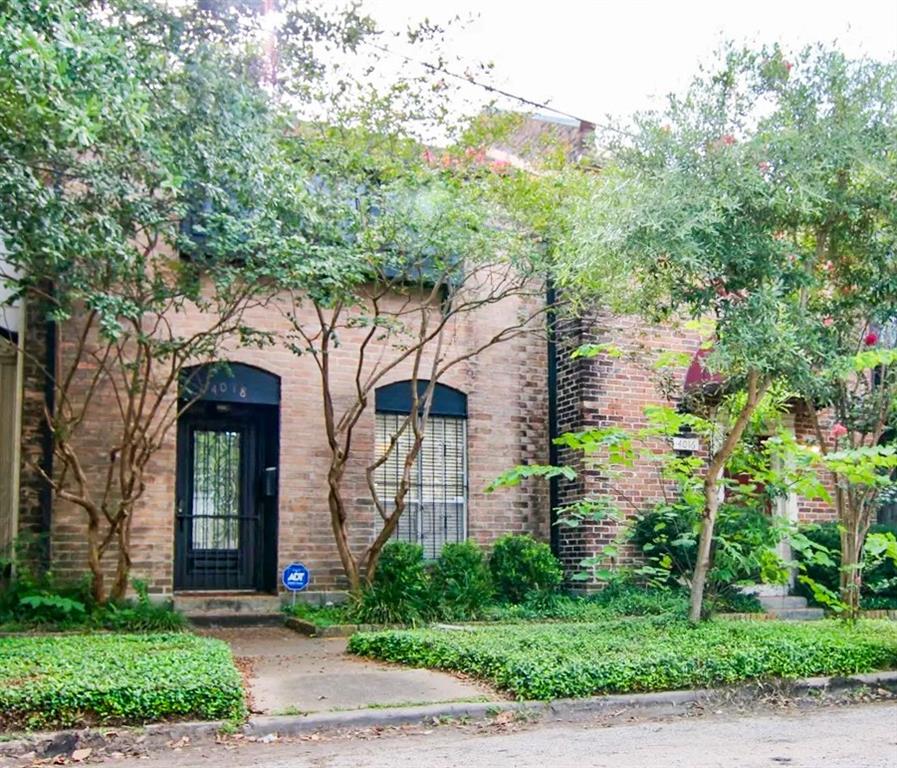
(558, 660)
(69, 680)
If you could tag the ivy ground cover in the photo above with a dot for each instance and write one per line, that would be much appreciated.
(69, 680)
(560, 660)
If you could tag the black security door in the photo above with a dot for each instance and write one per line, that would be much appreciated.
(218, 516)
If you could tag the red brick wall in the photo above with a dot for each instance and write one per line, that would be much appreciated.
(613, 390)
(813, 510)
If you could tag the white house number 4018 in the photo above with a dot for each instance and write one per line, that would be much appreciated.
(222, 389)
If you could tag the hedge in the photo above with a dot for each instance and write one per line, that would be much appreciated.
(547, 661)
(70, 680)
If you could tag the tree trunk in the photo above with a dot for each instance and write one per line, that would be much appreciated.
(123, 560)
(756, 388)
(340, 533)
(851, 577)
(376, 548)
(705, 545)
(97, 587)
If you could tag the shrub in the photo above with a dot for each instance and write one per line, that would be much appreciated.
(667, 536)
(632, 600)
(733, 601)
(400, 592)
(546, 661)
(743, 545)
(613, 601)
(142, 615)
(879, 578)
(461, 584)
(876, 603)
(522, 566)
(320, 615)
(41, 602)
(38, 599)
(71, 680)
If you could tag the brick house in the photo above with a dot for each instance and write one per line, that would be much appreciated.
(238, 490)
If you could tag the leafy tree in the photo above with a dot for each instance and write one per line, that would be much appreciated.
(833, 157)
(685, 221)
(159, 161)
(408, 246)
(763, 200)
(823, 130)
(142, 171)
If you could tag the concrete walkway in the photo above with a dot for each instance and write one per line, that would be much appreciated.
(292, 674)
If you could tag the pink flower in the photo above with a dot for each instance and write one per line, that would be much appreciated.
(838, 431)
(788, 65)
(728, 139)
(428, 157)
(828, 322)
(870, 338)
(764, 166)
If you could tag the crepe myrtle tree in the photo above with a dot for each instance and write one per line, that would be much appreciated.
(761, 201)
(831, 154)
(410, 244)
(140, 173)
(684, 222)
(853, 415)
(689, 215)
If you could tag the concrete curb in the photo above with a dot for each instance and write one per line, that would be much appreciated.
(663, 703)
(309, 628)
(660, 703)
(480, 710)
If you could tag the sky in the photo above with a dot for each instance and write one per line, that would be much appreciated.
(599, 58)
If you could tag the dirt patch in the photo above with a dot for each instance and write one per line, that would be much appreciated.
(244, 666)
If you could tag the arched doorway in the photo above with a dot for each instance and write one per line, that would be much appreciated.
(227, 460)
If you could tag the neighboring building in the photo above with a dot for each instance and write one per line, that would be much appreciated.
(238, 490)
(11, 368)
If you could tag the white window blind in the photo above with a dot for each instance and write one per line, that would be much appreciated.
(436, 502)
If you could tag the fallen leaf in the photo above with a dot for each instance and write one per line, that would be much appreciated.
(81, 754)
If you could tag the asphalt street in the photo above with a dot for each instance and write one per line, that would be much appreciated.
(857, 736)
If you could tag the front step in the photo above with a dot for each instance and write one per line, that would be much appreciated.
(229, 608)
(782, 602)
(790, 608)
(799, 614)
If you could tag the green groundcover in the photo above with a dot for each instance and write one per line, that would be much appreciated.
(66, 680)
(558, 660)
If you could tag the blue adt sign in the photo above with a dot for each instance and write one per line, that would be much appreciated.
(295, 577)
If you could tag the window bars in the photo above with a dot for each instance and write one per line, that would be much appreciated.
(436, 501)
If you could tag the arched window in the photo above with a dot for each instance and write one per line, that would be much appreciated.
(436, 502)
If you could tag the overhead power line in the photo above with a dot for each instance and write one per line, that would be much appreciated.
(480, 84)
